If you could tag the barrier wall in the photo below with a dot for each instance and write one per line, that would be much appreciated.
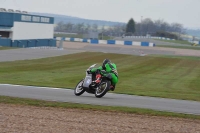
(150, 37)
(5, 42)
(109, 42)
(196, 42)
(28, 43)
(34, 43)
(94, 41)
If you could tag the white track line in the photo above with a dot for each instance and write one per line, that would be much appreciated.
(11, 85)
(32, 87)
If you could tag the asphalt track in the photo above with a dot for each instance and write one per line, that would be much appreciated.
(66, 95)
(70, 48)
(29, 54)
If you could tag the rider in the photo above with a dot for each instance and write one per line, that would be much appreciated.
(110, 71)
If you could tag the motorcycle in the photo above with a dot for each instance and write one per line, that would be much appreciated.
(88, 85)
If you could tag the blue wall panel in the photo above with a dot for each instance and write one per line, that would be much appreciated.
(5, 42)
(33, 18)
(94, 41)
(21, 43)
(6, 19)
(72, 39)
(53, 43)
(34, 43)
(84, 40)
(128, 43)
(144, 43)
(110, 41)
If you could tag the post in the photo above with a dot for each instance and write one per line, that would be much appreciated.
(141, 25)
(61, 44)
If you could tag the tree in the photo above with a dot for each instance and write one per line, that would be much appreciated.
(147, 26)
(68, 27)
(130, 27)
(95, 27)
(87, 28)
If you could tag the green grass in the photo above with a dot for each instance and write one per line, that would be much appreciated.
(175, 41)
(40, 103)
(6, 48)
(166, 77)
(81, 36)
(178, 57)
(69, 35)
(180, 47)
(106, 37)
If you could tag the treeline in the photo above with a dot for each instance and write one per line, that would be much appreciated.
(146, 26)
(159, 28)
(81, 28)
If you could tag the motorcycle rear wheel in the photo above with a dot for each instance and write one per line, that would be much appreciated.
(102, 89)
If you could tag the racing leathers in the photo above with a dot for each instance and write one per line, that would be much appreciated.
(109, 71)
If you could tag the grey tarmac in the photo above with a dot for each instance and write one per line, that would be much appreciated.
(110, 99)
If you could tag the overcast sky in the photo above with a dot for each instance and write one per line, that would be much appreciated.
(186, 12)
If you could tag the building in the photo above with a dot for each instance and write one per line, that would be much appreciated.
(21, 29)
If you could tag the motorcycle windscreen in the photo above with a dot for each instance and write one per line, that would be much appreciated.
(87, 81)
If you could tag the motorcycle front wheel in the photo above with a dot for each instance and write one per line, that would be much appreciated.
(79, 90)
(102, 89)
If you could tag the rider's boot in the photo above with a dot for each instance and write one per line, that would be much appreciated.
(112, 87)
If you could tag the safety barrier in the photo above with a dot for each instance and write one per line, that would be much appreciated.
(5, 42)
(27, 43)
(196, 42)
(110, 42)
(149, 37)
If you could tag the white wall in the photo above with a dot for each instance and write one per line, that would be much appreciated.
(119, 42)
(77, 39)
(23, 30)
(102, 42)
(10, 35)
(67, 39)
(151, 44)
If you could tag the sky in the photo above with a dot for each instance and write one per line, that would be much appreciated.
(186, 12)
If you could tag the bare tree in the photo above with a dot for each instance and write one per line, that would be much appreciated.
(147, 26)
(94, 27)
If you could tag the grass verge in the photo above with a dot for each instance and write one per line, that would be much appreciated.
(6, 48)
(69, 35)
(40, 103)
(167, 77)
(81, 36)
(175, 41)
(177, 57)
(179, 47)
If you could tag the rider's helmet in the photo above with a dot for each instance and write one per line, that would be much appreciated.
(105, 62)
